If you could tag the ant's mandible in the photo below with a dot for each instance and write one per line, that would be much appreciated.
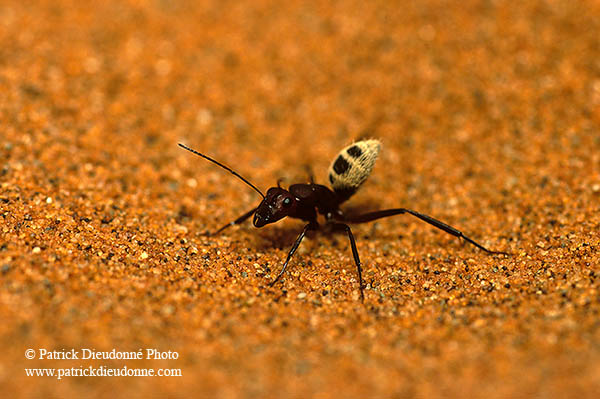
(347, 172)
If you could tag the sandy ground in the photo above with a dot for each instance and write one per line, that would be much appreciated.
(489, 114)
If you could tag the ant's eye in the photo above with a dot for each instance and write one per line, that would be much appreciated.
(287, 201)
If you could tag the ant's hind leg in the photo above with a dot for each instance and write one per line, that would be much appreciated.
(342, 226)
(368, 217)
(236, 221)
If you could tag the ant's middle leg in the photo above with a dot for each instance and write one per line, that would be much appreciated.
(236, 221)
(309, 173)
(368, 217)
(342, 226)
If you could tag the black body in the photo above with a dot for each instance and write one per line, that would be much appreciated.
(306, 201)
(301, 201)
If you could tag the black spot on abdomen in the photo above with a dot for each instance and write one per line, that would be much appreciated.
(341, 165)
(354, 151)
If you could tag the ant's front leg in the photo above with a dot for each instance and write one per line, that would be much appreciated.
(309, 226)
(236, 221)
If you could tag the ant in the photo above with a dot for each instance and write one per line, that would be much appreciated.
(302, 201)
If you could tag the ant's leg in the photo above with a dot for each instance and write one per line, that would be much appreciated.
(236, 221)
(354, 254)
(294, 248)
(309, 173)
(367, 217)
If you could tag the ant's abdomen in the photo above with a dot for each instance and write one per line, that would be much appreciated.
(352, 166)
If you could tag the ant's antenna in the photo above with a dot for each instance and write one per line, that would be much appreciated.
(224, 167)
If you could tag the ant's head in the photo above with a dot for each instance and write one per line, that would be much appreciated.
(278, 204)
